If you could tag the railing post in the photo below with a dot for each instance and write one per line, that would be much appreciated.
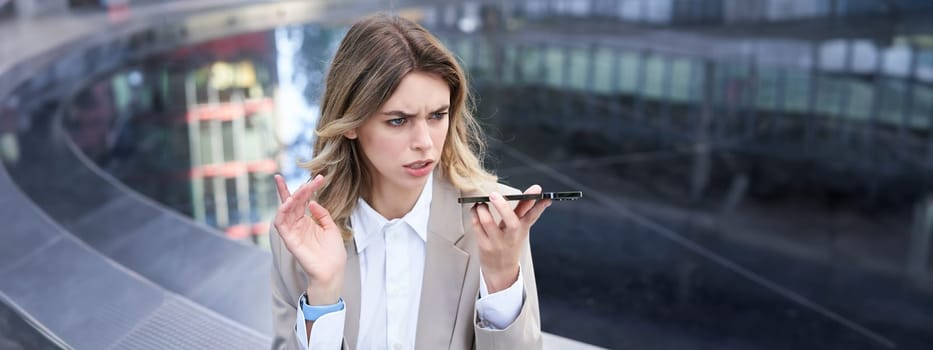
(701, 148)
(919, 245)
(811, 120)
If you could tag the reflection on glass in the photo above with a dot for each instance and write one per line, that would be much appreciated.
(756, 189)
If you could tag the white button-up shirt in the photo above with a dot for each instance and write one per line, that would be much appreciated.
(391, 256)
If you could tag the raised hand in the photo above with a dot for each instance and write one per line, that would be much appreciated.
(314, 240)
(500, 244)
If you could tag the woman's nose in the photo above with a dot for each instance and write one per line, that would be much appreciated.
(421, 135)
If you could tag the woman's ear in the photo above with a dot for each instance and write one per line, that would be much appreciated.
(351, 134)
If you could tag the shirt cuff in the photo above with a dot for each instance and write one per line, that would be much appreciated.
(327, 332)
(500, 309)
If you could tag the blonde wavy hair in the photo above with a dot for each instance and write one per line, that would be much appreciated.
(370, 62)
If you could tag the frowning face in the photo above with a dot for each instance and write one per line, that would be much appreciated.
(403, 140)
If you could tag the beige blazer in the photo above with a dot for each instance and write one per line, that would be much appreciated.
(447, 317)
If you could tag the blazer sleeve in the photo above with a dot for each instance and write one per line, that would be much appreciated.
(287, 285)
(283, 288)
(525, 331)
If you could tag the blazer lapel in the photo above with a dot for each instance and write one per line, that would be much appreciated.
(445, 268)
(352, 296)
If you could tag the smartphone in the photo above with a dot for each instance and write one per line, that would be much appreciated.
(557, 196)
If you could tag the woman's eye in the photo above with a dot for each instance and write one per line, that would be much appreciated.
(396, 121)
(438, 115)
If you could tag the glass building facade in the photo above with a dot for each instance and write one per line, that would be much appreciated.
(757, 174)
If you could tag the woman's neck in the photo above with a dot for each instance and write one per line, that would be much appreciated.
(392, 202)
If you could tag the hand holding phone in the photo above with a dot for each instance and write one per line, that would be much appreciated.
(557, 196)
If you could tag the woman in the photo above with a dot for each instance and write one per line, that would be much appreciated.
(375, 251)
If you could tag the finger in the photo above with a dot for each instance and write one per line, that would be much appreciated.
(482, 238)
(525, 205)
(532, 216)
(477, 226)
(283, 221)
(278, 220)
(504, 209)
(281, 188)
(322, 216)
(487, 222)
(304, 193)
(293, 208)
(288, 212)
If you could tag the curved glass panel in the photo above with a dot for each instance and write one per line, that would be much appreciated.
(768, 188)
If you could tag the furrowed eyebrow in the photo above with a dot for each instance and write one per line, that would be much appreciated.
(399, 114)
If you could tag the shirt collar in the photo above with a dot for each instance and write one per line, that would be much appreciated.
(367, 222)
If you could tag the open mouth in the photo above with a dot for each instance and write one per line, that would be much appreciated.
(419, 164)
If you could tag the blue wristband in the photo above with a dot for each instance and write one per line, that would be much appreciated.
(312, 313)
